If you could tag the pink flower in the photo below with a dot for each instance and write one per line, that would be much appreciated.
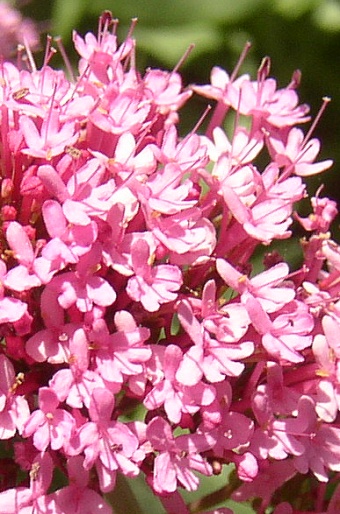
(135, 323)
(122, 353)
(297, 155)
(175, 397)
(166, 191)
(165, 90)
(324, 212)
(11, 309)
(83, 287)
(14, 410)
(243, 149)
(152, 286)
(177, 457)
(48, 140)
(208, 357)
(287, 334)
(111, 442)
(321, 446)
(268, 287)
(15, 30)
(260, 98)
(189, 237)
(49, 425)
(76, 383)
(77, 497)
(220, 85)
(265, 220)
(24, 276)
(33, 499)
(189, 153)
(327, 355)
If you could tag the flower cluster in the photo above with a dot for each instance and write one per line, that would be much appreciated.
(15, 32)
(136, 335)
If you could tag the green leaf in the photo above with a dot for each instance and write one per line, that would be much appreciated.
(294, 9)
(133, 495)
(327, 16)
(215, 487)
(169, 44)
(66, 16)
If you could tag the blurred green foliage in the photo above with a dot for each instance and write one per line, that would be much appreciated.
(303, 34)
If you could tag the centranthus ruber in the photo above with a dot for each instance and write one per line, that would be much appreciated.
(141, 335)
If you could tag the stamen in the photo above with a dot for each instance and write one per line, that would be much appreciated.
(132, 27)
(132, 56)
(183, 58)
(49, 51)
(198, 123)
(30, 56)
(240, 61)
(262, 75)
(325, 102)
(34, 471)
(50, 113)
(66, 60)
(105, 20)
(20, 55)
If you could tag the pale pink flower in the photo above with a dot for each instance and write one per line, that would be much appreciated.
(220, 85)
(76, 383)
(14, 30)
(286, 335)
(175, 397)
(189, 237)
(321, 446)
(11, 309)
(83, 287)
(164, 89)
(122, 353)
(267, 104)
(241, 150)
(268, 287)
(326, 351)
(324, 212)
(166, 191)
(152, 285)
(112, 442)
(24, 276)
(177, 457)
(77, 497)
(208, 357)
(265, 220)
(48, 140)
(124, 112)
(49, 425)
(189, 153)
(296, 155)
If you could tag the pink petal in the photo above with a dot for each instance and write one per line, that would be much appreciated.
(19, 242)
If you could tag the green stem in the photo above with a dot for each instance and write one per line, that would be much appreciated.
(212, 499)
(122, 498)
